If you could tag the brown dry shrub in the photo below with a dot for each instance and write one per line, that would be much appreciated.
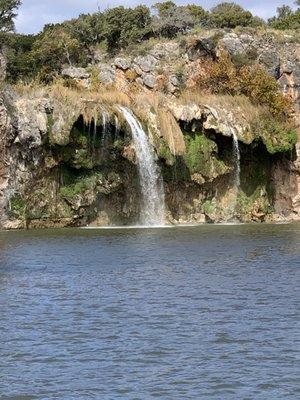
(223, 77)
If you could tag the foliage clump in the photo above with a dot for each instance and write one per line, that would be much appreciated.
(231, 15)
(286, 18)
(278, 136)
(17, 206)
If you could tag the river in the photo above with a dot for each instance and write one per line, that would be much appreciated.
(208, 312)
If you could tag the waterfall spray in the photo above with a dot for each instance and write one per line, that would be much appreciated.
(153, 198)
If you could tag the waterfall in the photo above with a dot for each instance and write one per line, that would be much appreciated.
(105, 119)
(237, 167)
(153, 198)
(237, 162)
(94, 132)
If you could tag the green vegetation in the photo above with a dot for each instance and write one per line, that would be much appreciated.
(257, 203)
(81, 184)
(7, 14)
(164, 152)
(201, 157)
(286, 18)
(231, 15)
(278, 136)
(209, 207)
(17, 206)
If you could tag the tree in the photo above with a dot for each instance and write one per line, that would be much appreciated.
(284, 11)
(7, 14)
(54, 48)
(286, 18)
(135, 25)
(87, 28)
(230, 15)
(20, 61)
(163, 9)
(172, 20)
(123, 26)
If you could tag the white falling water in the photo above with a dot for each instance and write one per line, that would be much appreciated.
(153, 197)
(117, 127)
(237, 167)
(105, 119)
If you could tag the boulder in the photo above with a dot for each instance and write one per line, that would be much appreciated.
(75, 73)
(149, 80)
(146, 64)
(122, 63)
(107, 74)
(165, 51)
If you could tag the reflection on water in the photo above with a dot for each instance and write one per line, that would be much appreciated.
(205, 312)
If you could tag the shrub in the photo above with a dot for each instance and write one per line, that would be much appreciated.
(223, 77)
(286, 18)
(131, 75)
(7, 14)
(218, 76)
(242, 59)
(172, 20)
(262, 88)
(54, 48)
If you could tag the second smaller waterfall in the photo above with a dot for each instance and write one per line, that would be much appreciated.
(237, 169)
(237, 162)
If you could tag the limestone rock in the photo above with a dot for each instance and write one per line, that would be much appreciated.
(122, 63)
(145, 63)
(107, 74)
(31, 122)
(165, 51)
(75, 73)
(149, 80)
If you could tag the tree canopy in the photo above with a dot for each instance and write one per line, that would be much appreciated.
(7, 14)
(74, 41)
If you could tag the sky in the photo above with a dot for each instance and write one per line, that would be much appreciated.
(34, 14)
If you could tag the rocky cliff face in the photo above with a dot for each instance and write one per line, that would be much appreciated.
(67, 156)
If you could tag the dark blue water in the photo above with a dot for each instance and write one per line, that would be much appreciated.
(187, 313)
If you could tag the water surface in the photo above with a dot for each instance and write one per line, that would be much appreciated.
(207, 312)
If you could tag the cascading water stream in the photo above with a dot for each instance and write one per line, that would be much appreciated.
(153, 197)
(237, 167)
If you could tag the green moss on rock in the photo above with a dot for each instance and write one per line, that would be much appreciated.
(17, 206)
(201, 157)
(81, 185)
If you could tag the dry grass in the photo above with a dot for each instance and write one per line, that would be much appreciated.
(171, 132)
(30, 90)
(144, 101)
(240, 106)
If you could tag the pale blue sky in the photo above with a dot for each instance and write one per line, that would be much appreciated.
(33, 14)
